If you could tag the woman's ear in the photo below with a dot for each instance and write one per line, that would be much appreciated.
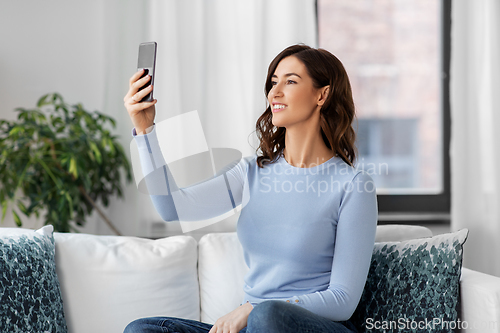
(325, 91)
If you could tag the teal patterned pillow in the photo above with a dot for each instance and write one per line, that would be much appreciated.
(30, 296)
(413, 286)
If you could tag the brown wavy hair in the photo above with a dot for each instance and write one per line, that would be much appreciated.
(336, 114)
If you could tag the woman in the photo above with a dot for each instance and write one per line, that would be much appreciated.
(308, 226)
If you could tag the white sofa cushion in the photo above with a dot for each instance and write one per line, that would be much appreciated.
(221, 267)
(399, 232)
(480, 302)
(109, 281)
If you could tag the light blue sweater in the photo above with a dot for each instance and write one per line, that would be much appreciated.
(307, 233)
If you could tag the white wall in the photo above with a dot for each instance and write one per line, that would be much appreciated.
(52, 46)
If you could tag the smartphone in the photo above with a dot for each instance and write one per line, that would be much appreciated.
(147, 61)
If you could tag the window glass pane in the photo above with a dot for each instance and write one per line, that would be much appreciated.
(391, 51)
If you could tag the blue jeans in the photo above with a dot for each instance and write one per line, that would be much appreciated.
(266, 317)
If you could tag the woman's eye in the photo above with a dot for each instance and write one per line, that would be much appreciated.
(273, 83)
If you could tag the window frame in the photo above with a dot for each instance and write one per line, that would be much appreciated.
(425, 208)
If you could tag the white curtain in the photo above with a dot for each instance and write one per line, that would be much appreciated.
(212, 57)
(475, 142)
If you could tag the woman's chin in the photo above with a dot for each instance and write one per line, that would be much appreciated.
(277, 122)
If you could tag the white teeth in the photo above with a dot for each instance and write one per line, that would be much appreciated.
(279, 106)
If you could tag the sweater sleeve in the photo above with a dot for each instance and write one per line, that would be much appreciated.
(354, 243)
(210, 198)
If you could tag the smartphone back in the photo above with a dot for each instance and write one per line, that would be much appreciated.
(147, 61)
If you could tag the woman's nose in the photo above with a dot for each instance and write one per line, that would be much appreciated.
(276, 91)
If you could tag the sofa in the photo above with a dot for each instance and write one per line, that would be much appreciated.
(105, 282)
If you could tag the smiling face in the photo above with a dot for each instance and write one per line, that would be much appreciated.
(293, 97)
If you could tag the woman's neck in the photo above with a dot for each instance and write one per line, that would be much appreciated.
(305, 148)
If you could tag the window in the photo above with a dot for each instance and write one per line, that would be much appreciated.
(397, 56)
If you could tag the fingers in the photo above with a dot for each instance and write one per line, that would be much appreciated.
(136, 76)
(133, 103)
(138, 96)
(138, 107)
(216, 328)
(141, 82)
(135, 83)
(223, 328)
(134, 95)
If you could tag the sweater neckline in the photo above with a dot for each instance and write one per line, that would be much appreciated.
(326, 164)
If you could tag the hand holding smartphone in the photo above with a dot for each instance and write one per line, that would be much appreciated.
(139, 101)
(147, 62)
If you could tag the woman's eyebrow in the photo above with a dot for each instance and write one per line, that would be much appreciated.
(287, 75)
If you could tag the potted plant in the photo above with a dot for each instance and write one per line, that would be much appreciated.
(62, 159)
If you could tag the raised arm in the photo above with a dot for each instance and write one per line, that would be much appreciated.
(210, 198)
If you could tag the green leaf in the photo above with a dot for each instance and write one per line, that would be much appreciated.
(22, 208)
(96, 151)
(111, 146)
(15, 130)
(56, 121)
(72, 167)
(17, 219)
(43, 101)
(34, 203)
(68, 197)
(41, 118)
(21, 178)
(55, 97)
(57, 181)
(23, 114)
(5, 204)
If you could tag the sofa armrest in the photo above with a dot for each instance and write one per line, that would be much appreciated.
(480, 302)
